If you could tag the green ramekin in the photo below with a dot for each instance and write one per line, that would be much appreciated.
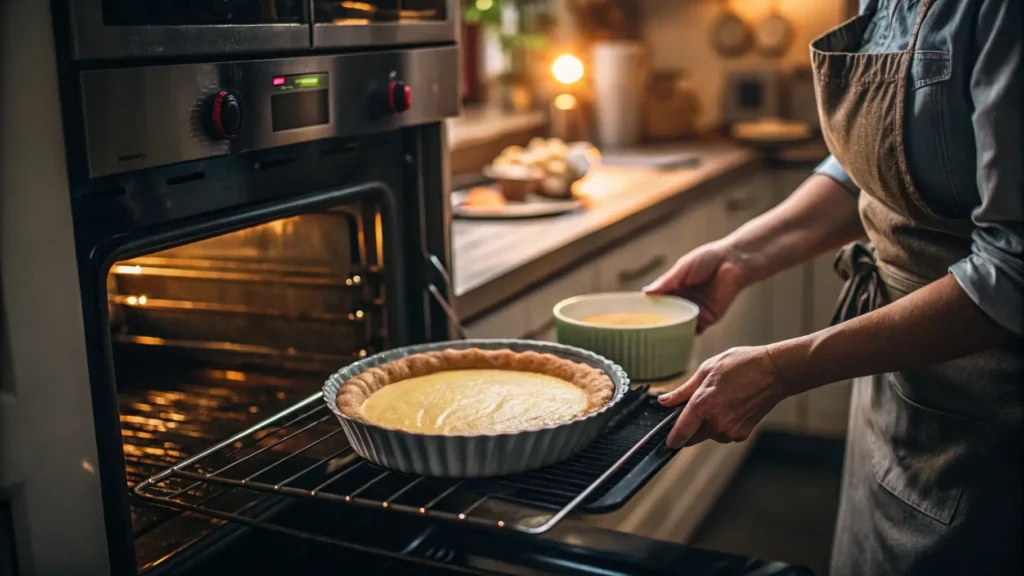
(652, 352)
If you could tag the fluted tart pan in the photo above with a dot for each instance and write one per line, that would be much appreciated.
(472, 456)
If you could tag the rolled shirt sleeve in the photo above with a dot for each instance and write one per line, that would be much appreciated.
(830, 167)
(993, 275)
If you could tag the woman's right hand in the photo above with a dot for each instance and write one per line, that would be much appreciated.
(709, 276)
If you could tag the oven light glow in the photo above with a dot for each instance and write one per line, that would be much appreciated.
(357, 279)
(359, 6)
(142, 299)
(234, 376)
(278, 81)
(127, 269)
(132, 300)
(359, 313)
(362, 353)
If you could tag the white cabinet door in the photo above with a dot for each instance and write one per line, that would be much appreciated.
(506, 322)
(828, 406)
(541, 302)
(788, 309)
(748, 320)
(643, 259)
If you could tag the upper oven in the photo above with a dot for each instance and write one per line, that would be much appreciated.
(120, 29)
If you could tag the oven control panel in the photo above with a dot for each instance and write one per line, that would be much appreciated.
(195, 111)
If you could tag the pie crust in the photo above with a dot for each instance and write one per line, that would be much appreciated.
(596, 385)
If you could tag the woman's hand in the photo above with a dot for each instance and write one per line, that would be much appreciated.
(710, 276)
(726, 398)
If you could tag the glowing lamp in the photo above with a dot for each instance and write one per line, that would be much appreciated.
(567, 69)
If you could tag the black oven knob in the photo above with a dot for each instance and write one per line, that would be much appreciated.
(399, 97)
(224, 115)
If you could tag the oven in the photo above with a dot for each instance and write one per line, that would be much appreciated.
(117, 29)
(242, 229)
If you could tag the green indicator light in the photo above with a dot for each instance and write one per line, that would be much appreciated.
(307, 82)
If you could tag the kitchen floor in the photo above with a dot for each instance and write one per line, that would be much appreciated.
(781, 505)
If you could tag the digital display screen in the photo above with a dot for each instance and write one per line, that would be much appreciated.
(300, 101)
(299, 110)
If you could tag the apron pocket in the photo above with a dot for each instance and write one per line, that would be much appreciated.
(920, 455)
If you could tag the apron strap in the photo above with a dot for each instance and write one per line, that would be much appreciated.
(864, 289)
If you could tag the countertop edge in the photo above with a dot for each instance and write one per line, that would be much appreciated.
(486, 297)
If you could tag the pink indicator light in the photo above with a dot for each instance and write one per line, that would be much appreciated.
(278, 81)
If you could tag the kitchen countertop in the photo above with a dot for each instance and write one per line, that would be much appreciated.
(495, 261)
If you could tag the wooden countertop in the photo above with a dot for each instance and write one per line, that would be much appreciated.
(496, 261)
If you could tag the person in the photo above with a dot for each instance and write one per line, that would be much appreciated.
(920, 103)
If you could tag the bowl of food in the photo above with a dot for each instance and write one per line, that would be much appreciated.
(547, 167)
(651, 337)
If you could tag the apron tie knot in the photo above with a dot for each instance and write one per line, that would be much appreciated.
(862, 292)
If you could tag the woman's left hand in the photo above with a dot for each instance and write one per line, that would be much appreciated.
(726, 398)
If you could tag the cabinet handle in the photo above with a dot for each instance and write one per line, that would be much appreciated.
(739, 203)
(652, 265)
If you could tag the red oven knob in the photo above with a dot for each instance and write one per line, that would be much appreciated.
(225, 114)
(399, 97)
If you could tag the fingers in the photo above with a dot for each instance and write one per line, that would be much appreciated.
(684, 392)
(686, 427)
(670, 280)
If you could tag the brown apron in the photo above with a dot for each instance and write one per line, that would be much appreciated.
(932, 476)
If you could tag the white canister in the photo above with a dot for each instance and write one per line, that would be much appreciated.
(619, 72)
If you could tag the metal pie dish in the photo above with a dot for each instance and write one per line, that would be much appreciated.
(475, 456)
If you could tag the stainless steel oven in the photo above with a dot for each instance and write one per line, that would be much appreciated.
(118, 29)
(244, 228)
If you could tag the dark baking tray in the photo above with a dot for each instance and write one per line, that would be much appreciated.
(554, 486)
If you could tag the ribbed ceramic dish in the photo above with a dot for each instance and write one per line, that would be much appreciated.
(652, 352)
(479, 455)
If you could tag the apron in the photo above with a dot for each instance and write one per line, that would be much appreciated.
(932, 473)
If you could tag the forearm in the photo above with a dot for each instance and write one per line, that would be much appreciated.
(934, 324)
(818, 216)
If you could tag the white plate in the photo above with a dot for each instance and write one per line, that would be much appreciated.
(534, 207)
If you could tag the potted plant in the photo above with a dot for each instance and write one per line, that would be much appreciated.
(522, 28)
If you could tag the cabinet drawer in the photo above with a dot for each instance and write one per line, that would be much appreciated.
(506, 322)
(539, 303)
(643, 259)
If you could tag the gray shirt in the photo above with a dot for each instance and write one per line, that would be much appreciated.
(963, 137)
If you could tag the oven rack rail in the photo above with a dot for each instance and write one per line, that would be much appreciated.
(303, 453)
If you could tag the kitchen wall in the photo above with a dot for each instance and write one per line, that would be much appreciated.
(676, 33)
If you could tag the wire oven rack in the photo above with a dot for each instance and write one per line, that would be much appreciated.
(303, 453)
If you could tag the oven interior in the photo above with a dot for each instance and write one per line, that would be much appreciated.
(209, 337)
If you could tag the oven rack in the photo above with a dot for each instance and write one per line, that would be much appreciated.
(302, 453)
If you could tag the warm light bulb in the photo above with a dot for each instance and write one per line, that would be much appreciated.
(567, 69)
(565, 102)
